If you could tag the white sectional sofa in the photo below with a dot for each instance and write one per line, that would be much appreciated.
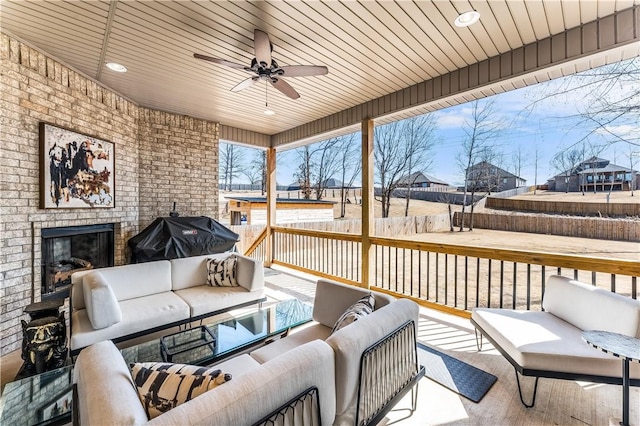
(156, 295)
(276, 374)
(549, 343)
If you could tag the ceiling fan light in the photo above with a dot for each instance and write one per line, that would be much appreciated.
(467, 18)
(114, 66)
(269, 112)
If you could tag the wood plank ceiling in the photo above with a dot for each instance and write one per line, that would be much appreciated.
(372, 48)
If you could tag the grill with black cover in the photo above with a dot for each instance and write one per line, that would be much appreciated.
(176, 237)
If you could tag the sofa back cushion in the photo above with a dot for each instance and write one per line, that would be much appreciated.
(332, 299)
(192, 271)
(127, 281)
(102, 306)
(590, 308)
(350, 342)
(189, 272)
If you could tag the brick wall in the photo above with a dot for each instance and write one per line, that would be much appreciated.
(34, 88)
(178, 162)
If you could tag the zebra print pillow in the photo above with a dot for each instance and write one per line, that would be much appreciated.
(162, 387)
(362, 307)
(222, 272)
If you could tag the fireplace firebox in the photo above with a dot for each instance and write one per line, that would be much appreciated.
(68, 249)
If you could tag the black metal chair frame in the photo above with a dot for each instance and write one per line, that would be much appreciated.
(521, 371)
(406, 332)
(271, 418)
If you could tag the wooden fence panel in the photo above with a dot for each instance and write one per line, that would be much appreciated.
(563, 207)
(584, 227)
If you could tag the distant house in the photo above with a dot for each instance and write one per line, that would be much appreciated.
(485, 177)
(595, 174)
(421, 180)
(253, 210)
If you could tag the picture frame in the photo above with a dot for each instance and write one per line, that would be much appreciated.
(59, 406)
(77, 171)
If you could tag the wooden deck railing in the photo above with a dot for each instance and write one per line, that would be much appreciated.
(452, 277)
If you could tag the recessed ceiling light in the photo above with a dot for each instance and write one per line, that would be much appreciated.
(116, 67)
(269, 112)
(467, 18)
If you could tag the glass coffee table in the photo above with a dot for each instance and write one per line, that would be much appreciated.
(210, 343)
(42, 399)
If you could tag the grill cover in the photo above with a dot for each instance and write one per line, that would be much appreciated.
(175, 237)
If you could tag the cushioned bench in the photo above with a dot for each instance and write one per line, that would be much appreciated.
(549, 343)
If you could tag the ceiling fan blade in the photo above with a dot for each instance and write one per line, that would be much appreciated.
(262, 46)
(244, 84)
(219, 61)
(304, 70)
(284, 87)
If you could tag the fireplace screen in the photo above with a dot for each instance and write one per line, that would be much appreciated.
(70, 249)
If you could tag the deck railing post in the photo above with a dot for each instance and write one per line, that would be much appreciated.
(368, 219)
(271, 206)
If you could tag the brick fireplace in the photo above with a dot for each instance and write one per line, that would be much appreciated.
(68, 249)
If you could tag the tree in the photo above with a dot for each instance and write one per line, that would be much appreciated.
(390, 160)
(231, 162)
(399, 147)
(326, 165)
(565, 162)
(303, 174)
(349, 161)
(536, 159)
(518, 160)
(476, 147)
(258, 170)
(418, 135)
(610, 101)
(632, 156)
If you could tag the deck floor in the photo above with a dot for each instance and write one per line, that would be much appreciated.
(559, 402)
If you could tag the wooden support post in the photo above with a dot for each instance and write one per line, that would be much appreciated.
(368, 218)
(271, 205)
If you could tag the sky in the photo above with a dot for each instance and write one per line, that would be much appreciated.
(526, 119)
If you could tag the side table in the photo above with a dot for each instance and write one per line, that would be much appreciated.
(625, 347)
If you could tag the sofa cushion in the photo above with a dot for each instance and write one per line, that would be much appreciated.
(222, 272)
(127, 281)
(138, 314)
(165, 387)
(332, 299)
(250, 273)
(293, 340)
(102, 307)
(591, 308)
(358, 310)
(191, 271)
(205, 299)
(542, 341)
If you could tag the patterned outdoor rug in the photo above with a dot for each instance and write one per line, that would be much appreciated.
(455, 375)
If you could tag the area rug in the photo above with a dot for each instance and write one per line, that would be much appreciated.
(455, 375)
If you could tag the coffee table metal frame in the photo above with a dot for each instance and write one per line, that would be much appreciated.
(625, 347)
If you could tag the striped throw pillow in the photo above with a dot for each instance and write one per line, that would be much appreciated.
(163, 386)
(222, 272)
(362, 307)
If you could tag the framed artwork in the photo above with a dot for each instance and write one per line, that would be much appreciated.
(76, 170)
(60, 405)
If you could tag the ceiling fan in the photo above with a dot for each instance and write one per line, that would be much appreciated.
(266, 68)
